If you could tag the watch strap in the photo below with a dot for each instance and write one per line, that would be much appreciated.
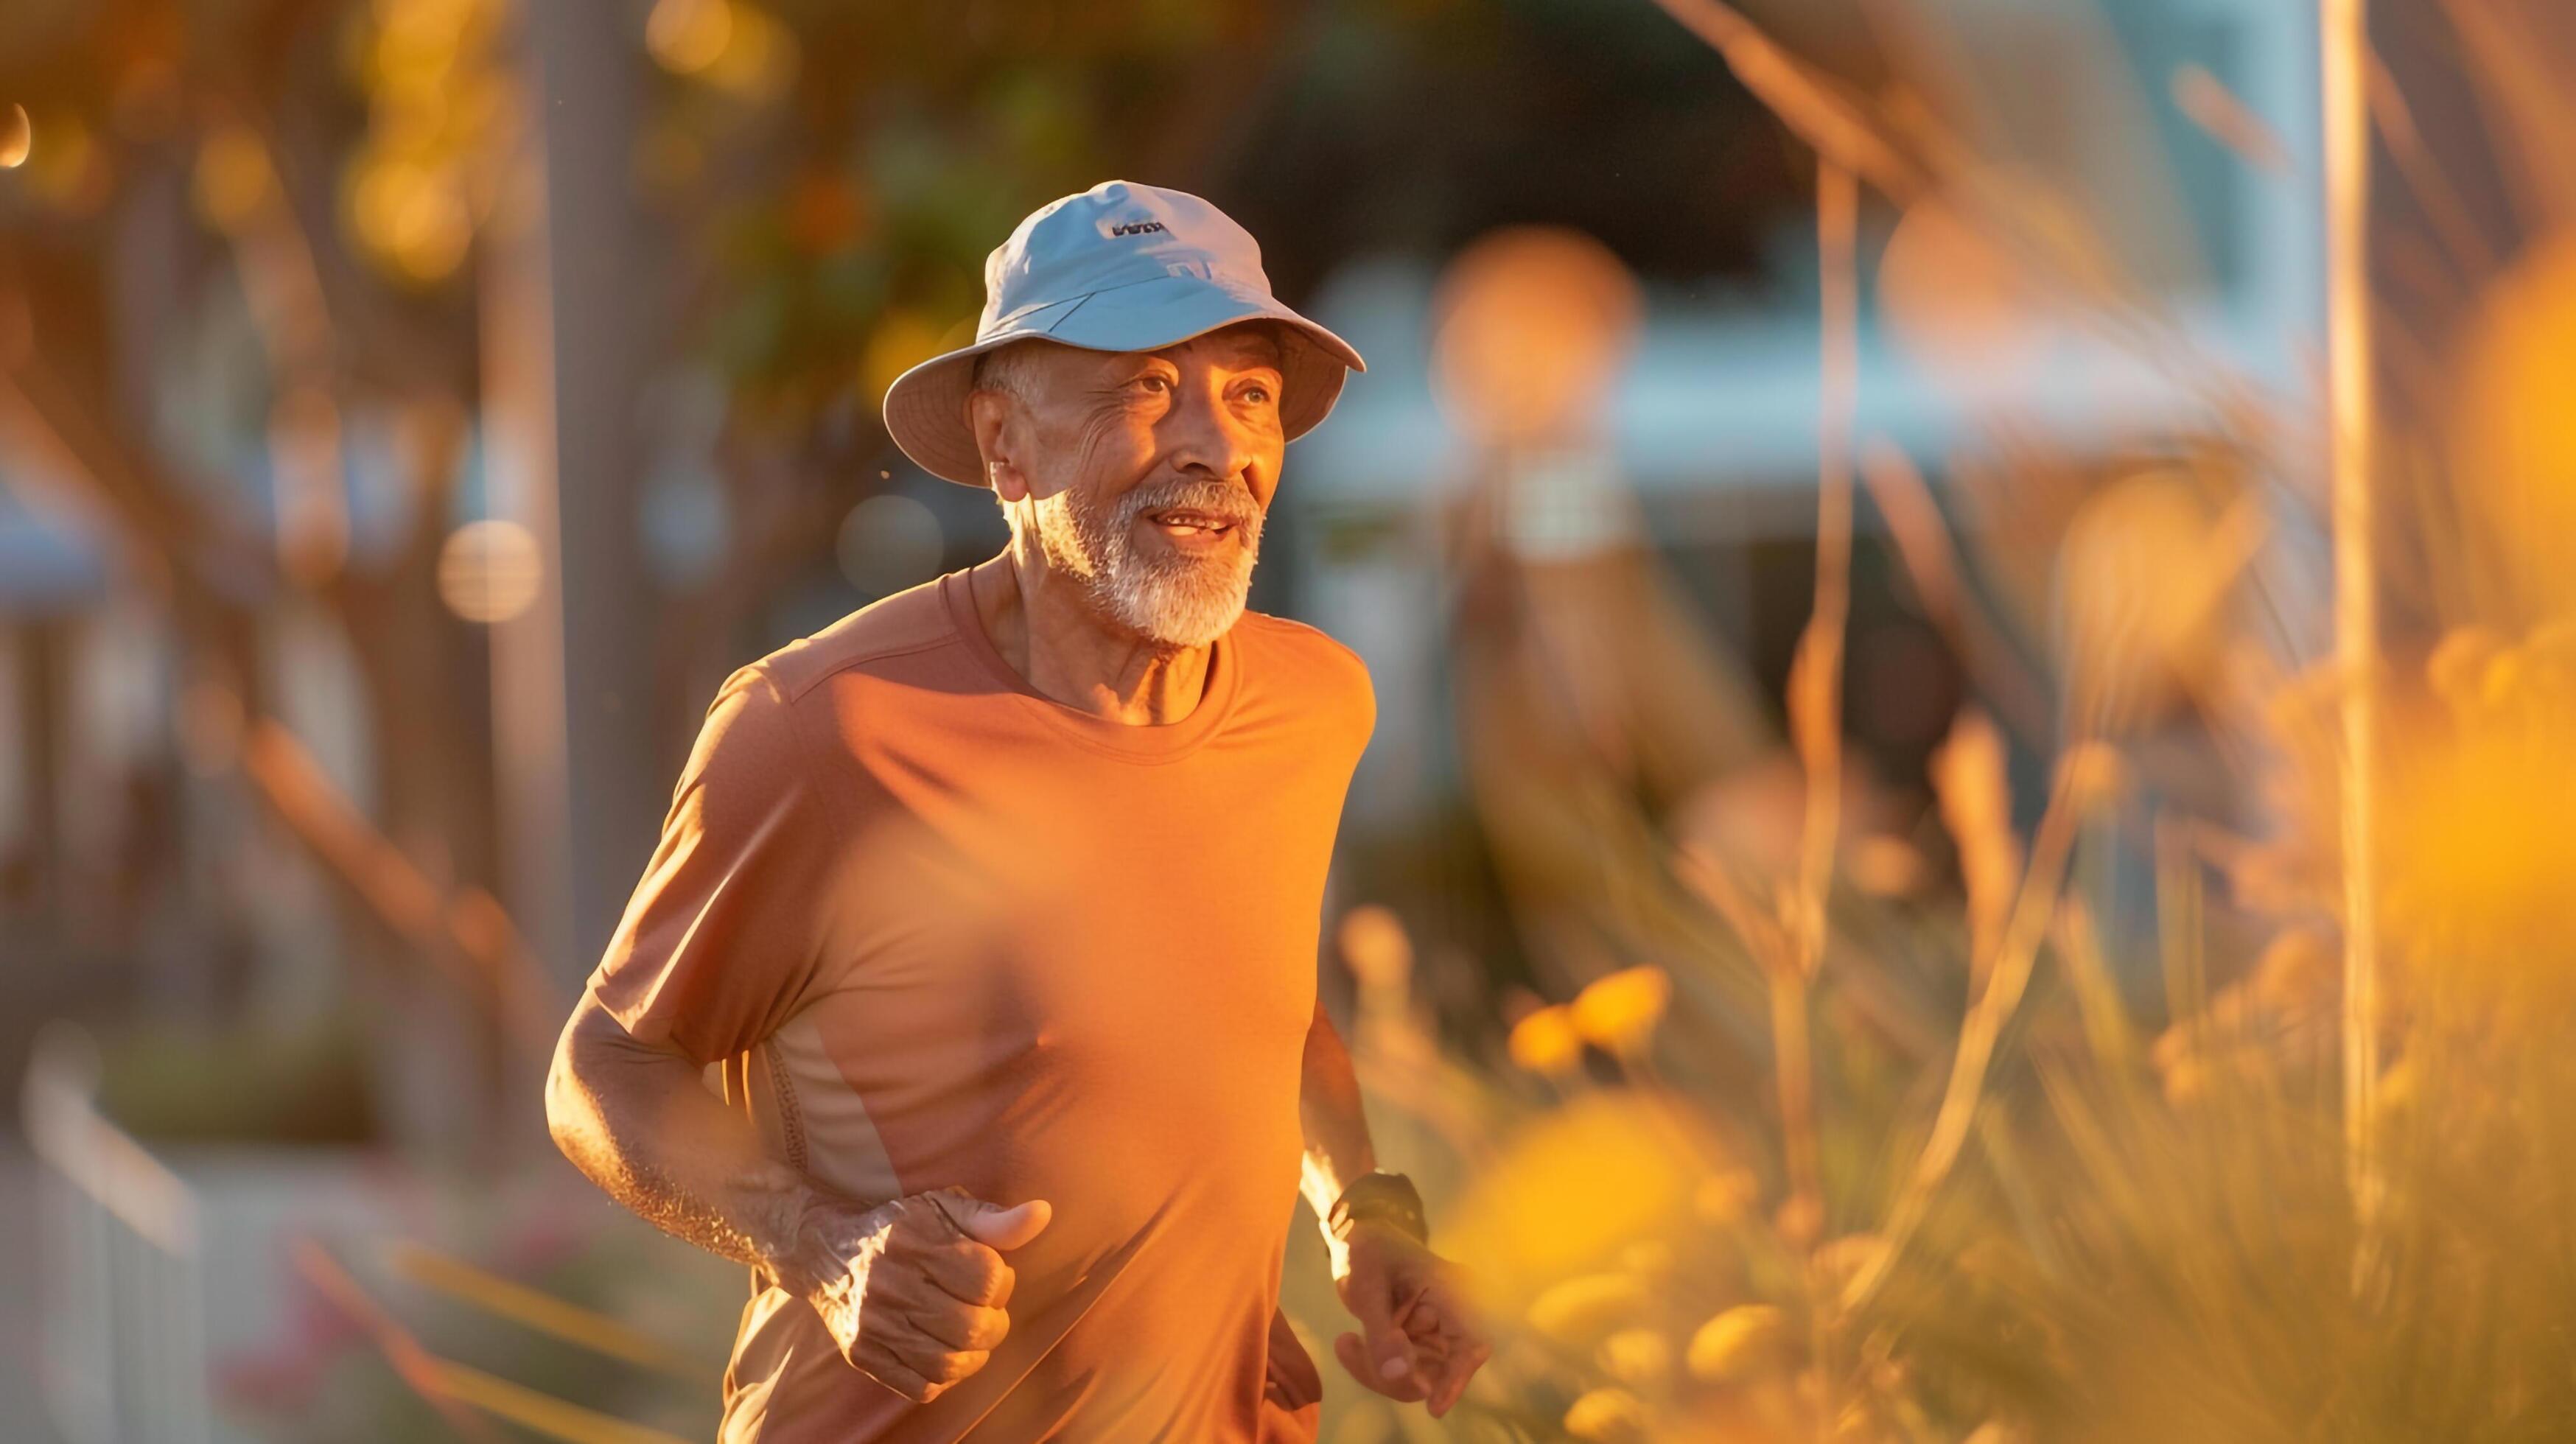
(1381, 1198)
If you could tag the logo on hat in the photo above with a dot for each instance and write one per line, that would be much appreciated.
(1120, 267)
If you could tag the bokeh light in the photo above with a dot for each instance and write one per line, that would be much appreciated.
(17, 137)
(887, 543)
(1963, 303)
(1532, 324)
(412, 215)
(490, 570)
(688, 36)
(232, 180)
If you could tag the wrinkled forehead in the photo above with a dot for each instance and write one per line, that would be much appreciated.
(1245, 343)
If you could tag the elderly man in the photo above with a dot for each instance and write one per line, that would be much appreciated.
(969, 997)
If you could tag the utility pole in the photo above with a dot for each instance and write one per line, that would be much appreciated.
(571, 296)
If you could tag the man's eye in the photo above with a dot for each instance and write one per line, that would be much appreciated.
(1154, 383)
(1258, 395)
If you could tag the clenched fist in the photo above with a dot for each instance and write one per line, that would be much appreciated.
(914, 1290)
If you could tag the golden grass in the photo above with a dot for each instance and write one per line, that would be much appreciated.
(2112, 1144)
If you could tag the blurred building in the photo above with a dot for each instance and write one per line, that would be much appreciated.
(1713, 425)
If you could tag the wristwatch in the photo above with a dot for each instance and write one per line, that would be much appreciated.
(1385, 1198)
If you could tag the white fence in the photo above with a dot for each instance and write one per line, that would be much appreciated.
(120, 1264)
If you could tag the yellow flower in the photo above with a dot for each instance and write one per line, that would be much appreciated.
(1642, 1358)
(1740, 1344)
(1570, 1191)
(1619, 1012)
(1546, 1042)
(1607, 1416)
(1580, 1310)
(2512, 437)
(2471, 889)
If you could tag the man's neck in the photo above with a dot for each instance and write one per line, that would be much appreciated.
(1046, 628)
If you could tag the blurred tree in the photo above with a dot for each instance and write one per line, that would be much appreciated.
(249, 307)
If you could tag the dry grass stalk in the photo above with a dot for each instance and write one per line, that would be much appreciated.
(1841, 132)
(2097, 993)
(1815, 702)
(2525, 94)
(456, 1390)
(2209, 104)
(1976, 807)
(1815, 677)
(2180, 929)
(2444, 210)
(2345, 45)
(542, 1413)
(421, 1371)
(533, 1309)
(2078, 786)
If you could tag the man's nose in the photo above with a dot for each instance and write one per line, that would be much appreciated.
(1204, 438)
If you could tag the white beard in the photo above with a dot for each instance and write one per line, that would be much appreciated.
(1174, 599)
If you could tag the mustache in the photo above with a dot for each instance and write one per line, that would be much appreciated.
(1231, 503)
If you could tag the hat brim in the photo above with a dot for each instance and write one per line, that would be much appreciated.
(925, 408)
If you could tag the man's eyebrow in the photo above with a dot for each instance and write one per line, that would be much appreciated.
(1255, 350)
(1262, 352)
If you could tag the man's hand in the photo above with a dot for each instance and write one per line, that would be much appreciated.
(913, 1290)
(1417, 1341)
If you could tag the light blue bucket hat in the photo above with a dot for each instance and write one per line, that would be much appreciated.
(1119, 267)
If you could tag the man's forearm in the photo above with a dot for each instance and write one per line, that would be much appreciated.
(1336, 1127)
(638, 1122)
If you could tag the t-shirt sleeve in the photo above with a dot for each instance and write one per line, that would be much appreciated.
(723, 938)
(1344, 677)
(1363, 702)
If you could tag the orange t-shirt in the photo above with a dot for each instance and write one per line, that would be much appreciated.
(930, 927)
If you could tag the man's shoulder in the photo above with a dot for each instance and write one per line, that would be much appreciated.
(1308, 659)
(1305, 641)
(873, 639)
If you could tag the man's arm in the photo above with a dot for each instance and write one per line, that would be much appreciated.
(636, 1120)
(1336, 1126)
(1421, 1343)
(912, 1289)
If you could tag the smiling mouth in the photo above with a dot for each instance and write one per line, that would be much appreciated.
(1183, 521)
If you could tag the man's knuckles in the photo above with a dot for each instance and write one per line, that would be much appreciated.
(948, 1368)
(985, 1329)
(881, 1364)
(971, 1272)
(920, 1373)
(963, 1326)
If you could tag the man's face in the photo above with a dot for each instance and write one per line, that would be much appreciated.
(1149, 474)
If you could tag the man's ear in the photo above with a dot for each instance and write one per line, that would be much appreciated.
(989, 415)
